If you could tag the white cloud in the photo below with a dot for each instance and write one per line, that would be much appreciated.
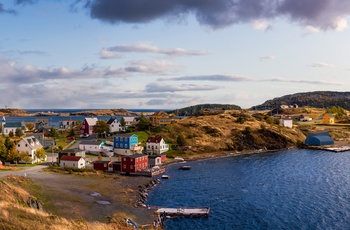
(267, 58)
(321, 65)
(261, 25)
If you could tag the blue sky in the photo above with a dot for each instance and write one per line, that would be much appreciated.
(170, 54)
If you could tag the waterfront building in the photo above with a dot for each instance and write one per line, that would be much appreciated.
(156, 145)
(134, 163)
(319, 139)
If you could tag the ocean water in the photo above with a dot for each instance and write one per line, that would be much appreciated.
(292, 189)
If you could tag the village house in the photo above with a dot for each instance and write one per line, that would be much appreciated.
(156, 145)
(156, 160)
(126, 144)
(40, 124)
(66, 124)
(44, 141)
(328, 118)
(305, 118)
(8, 127)
(129, 121)
(134, 163)
(160, 118)
(72, 162)
(75, 152)
(87, 127)
(286, 122)
(115, 125)
(30, 144)
(94, 147)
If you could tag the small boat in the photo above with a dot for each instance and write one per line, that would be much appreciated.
(185, 167)
(165, 177)
(178, 159)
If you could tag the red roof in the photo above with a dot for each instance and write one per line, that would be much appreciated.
(70, 158)
(154, 139)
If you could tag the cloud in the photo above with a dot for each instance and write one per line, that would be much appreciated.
(27, 52)
(23, 2)
(155, 87)
(115, 51)
(321, 65)
(267, 58)
(217, 77)
(325, 14)
(6, 11)
(304, 81)
(261, 25)
(143, 67)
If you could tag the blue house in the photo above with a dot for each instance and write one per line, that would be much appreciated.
(318, 139)
(125, 143)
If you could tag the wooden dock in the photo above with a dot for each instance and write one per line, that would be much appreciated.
(184, 212)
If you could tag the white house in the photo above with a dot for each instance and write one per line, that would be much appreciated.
(30, 144)
(8, 127)
(115, 125)
(286, 122)
(72, 162)
(156, 145)
(91, 146)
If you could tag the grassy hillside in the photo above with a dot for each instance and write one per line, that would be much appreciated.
(231, 131)
(317, 99)
(20, 210)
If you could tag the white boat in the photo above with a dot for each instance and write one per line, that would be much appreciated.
(178, 159)
(165, 177)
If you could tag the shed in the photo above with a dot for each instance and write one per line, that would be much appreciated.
(72, 161)
(318, 139)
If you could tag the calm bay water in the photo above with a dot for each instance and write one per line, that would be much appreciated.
(292, 189)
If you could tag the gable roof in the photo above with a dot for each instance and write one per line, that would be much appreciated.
(111, 120)
(91, 142)
(32, 142)
(156, 139)
(134, 156)
(124, 135)
(70, 158)
(91, 120)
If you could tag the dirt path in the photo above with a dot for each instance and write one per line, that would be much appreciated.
(70, 196)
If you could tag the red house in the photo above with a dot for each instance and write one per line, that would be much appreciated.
(88, 125)
(107, 166)
(134, 163)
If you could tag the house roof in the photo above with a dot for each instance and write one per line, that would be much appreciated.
(129, 119)
(124, 135)
(110, 121)
(13, 125)
(70, 158)
(134, 156)
(75, 150)
(32, 142)
(91, 142)
(91, 120)
(329, 114)
(156, 139)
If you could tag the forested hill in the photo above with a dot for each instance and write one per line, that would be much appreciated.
(196, 109)
(317, 99)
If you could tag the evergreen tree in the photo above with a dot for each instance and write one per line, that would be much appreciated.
(180, 140)
(122, 122)
(144, 123)
(18, 132)
(3, 151)
(8, 143)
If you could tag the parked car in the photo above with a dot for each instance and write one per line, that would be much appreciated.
(70, 138)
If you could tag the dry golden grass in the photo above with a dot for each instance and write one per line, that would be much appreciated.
(16, 214)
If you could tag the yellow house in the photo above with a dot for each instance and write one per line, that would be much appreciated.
(160, 118)
(328, 118)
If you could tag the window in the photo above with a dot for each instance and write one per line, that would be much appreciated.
(124, 166)
(131, 167)
(19, 145)
(131, 160)
(105, 165)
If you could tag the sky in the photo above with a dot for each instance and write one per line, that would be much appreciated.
(169, 54)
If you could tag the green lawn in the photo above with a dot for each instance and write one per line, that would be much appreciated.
(142, 136)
